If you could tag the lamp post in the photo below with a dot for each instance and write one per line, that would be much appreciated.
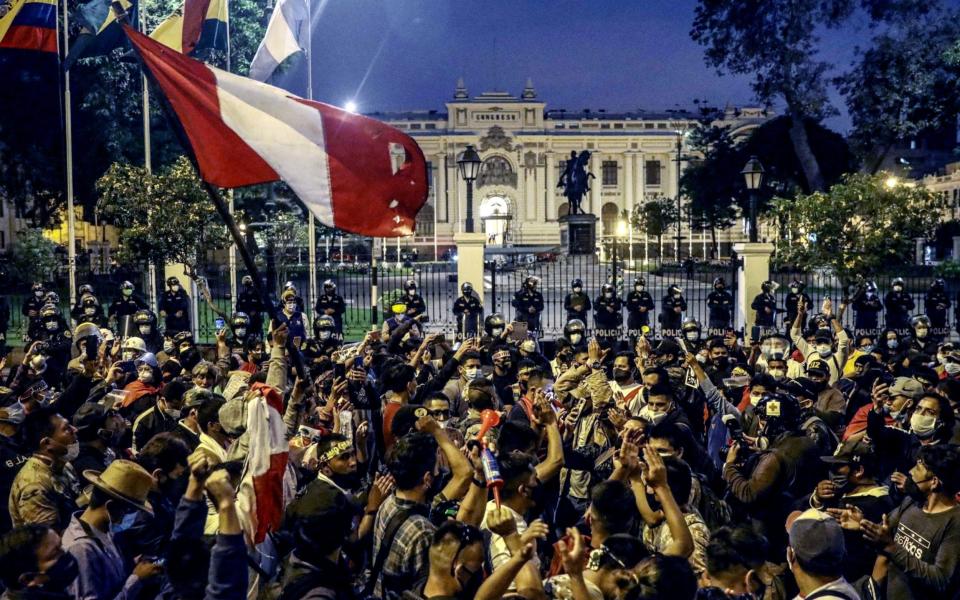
(469, 165)
(620, 233)
(679, 210)
(753, 176)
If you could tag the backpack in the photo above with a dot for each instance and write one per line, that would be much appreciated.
(714, 510)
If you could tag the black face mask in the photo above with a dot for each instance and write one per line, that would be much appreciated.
(621, 375)
(722, 363)
(62, 573)
(349, 481)
(469, 588)
(653, 502)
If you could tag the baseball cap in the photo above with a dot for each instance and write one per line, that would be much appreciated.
(906, 386)
(823, 335)
(927, 376)
(818, 367)
(852, 453)
(817, 540)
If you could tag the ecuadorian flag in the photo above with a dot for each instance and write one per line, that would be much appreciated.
(197, 25)
(28, 25)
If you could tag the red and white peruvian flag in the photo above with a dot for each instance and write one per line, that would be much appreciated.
(352, 172)
(261, 499)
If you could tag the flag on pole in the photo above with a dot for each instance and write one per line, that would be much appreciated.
(196, 25)
(286, 35)
(261, 494)
(28, 25)
(351, 172)
(100, 31)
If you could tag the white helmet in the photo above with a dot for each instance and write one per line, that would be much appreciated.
(134, 343)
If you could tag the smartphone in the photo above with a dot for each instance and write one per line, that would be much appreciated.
(755, 333)
(92, 347)
(519, 332)
(127, 366)
(358, 362)
(219, 323)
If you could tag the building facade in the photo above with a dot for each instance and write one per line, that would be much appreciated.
(524, 146)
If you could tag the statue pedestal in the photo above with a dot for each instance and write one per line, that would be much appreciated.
(578, 234)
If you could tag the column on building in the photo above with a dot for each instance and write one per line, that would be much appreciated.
(440, 185)
(596, 185)
(628, 181)
(527, 181)
(546, 189)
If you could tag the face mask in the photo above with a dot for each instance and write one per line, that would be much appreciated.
(127, 293)
(240, 332)
(290, 306)
(777, 373)
(692, 336)
(866, 349)
(496, 331)
(795, 290)
(923, 425)
(577, 290)
(639, 288)
(15, 413)
(755, 398)
(941, 359)
(89, 310)
(127, 355)
(824, 349)
(840, 481)
(174, 288)
(575, 338)
(608, 295)
(62, 573)
(894, 414)
(898, 288)
(124, 524)
(144, 329)
(52, 326)
(676, 295)
(38, 294)
(719, 288)
(922, 332)
(411, 292)
(951, 368)
(621, 375)
(892, 343)
(172, 413)
(168, 347)
(73, 451)
(324, 335)
(503, 365)
(145, 376)
(471, 373)
(653, 417)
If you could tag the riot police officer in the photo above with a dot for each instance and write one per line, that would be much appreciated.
(415, 304)
(671, 311)
(31, 307)
(575, 332)
(175, 308)
(296, 293)
(53, 330)
(866, 309)
(923, 341)
(936, 304)
(325, 332)
(691, 333)
(719, 303)
(331, 303)
(796, 294)
(639, 306)
(528, 303)
(493, 327)
(126, 304)
(899, 305)
(250, 303)
(145, 325)
(765, 303)
(577, 302)
(241, 330)
(87, 308)
(468, 309)
(608, 315)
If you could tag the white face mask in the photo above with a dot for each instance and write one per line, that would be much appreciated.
(639, 288)
(824, 349)
(577, 290)
(145, 329)
(52, 326)
(290, 306)
(951, 368)
(777, 373)
(14, 413)
(73, 451)
(174, 288)
(411, 292)
(755, 397)
(898, 288)
(145, 376)
(649, 415)
(168, 347)
(496, 331)
(575, 338)
(127, 292)
(89, 310)
(608, 295)
(240, 332)
(893, 343)
(795, 290)
(676, 294)
(922, 332)
(471, 373)
(324, 335)
(38, 294)
(127, 355)
(692, 336)
(923, 425)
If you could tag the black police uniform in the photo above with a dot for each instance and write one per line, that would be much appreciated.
(337, 306)
(416, 303)
(608, 318)
(577, 306)
(124, 306)
(790, 307)
(78, 313)
(761, 302)
(719, 304)
(867, 314)
(523, 301)
(469, 312)
(636, 318)
(899, 305)
(12, 457)
(171, 302)
(249, 302)
(670, 319)
(936, 304)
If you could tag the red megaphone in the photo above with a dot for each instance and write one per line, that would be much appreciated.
(488, 419)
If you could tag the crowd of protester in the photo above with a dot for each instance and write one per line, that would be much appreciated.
(138, 464)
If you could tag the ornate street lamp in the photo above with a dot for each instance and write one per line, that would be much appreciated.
(753, 176)
(469, 165)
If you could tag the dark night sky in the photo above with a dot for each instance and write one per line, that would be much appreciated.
(613, 54)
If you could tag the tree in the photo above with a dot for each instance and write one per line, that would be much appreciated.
(655, 217)
(163, 217)
(858, 227)
(905, 84)
(708, 182)
(33, 257)
(775, 41)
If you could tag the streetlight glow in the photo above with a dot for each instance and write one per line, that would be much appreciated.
(891, 182)
(621, 228)
(350, 106)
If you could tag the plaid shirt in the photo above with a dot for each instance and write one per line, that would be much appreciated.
(409, 552)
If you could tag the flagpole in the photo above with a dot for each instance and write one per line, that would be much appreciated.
(148, 164)
(233, 248)
(311, 219)
(68, 126)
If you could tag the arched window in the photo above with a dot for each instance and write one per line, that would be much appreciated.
(608, 214)
(496, 170)
(424, 224)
